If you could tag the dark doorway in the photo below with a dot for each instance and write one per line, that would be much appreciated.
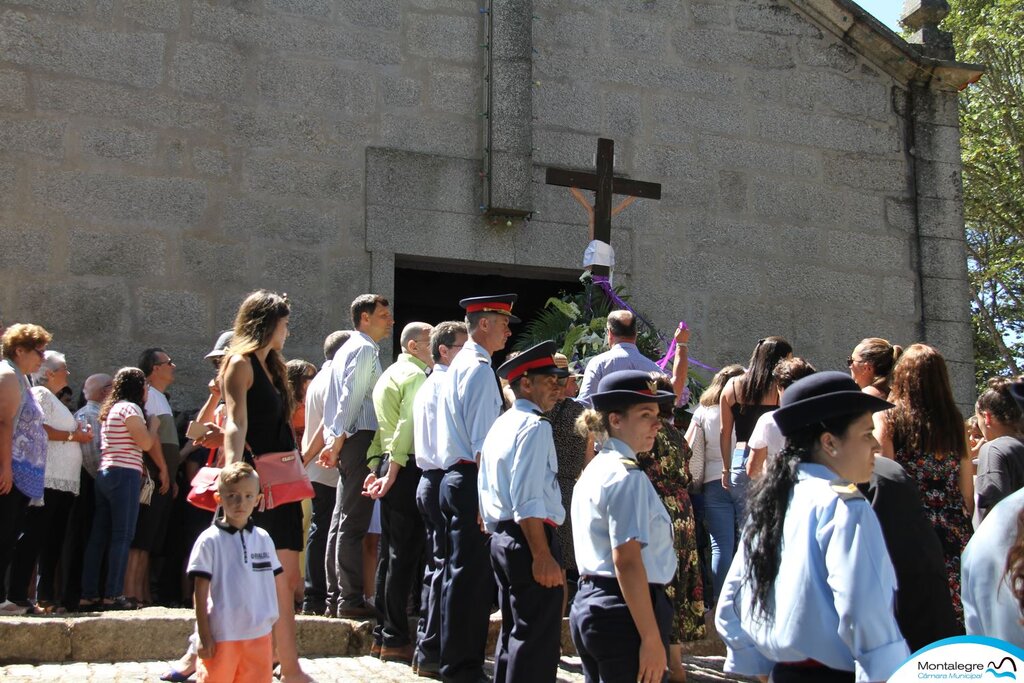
(430, 291)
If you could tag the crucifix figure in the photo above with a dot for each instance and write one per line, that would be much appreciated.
(604, 184)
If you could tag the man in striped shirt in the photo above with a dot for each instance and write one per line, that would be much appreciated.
(349, 425)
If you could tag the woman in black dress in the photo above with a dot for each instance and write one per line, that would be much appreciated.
(258, 411)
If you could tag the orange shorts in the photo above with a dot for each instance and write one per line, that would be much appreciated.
(244, 661)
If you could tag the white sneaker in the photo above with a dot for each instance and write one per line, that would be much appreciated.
(10, 609)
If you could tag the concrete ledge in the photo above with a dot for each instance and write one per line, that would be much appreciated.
(157, 633)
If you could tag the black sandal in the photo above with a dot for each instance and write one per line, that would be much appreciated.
(121, 604)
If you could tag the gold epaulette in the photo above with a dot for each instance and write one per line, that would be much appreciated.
(845, 490)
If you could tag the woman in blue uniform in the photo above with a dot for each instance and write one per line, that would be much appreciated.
(621, 617)
(822, 610)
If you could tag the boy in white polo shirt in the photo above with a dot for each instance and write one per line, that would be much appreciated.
(237, 582)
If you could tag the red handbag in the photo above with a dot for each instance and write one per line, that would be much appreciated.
(204, 485)
(283, 478)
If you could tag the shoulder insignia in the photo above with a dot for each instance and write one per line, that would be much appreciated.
(542, 416)
(845, 490)
(629, 463)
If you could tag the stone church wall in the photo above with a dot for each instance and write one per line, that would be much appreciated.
(160, 158)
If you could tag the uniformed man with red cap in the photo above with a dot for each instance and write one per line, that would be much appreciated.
(521, 506)
(468, 404)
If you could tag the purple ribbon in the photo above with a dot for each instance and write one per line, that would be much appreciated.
(602, 282)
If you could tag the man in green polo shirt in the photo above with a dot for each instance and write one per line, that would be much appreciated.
(390, 456)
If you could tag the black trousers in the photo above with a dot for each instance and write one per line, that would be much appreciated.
(79, 528)
(467, 593)
(604, 633)
(315, 595)
(401, 544)
(529, 645)
(789, 673)
(13, 506)
(428, 630)
(42, 541)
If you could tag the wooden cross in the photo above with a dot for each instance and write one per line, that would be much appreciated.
(604, 184)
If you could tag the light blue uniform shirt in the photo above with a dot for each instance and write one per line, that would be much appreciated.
(469, 404)
(348, 404)
(424, 420)
(518, 468)
(614, 502)
(622, 356)
(833, 595)
(989, 607)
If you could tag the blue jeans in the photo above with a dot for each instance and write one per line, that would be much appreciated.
(720, 515)
(117, 509)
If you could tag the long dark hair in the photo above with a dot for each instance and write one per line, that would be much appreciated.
(130, 386)
(758, 380)
(255, 323)
(925, 418)
(769, 499)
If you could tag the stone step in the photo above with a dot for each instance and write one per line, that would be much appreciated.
(158, 633)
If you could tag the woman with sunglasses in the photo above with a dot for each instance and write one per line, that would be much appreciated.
(871, 365)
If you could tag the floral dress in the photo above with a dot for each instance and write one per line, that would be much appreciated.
(666, 467)
(571, 448)
(938, 479)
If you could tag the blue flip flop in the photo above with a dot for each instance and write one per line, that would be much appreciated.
(176, 676)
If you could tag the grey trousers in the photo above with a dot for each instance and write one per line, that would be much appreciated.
(351, 519)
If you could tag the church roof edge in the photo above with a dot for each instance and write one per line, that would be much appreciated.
(886, 48)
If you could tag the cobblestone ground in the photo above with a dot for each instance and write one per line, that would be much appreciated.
(324, 670)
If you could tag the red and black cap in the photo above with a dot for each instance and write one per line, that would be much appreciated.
(536, 360)
(624, 388)
(496, 303)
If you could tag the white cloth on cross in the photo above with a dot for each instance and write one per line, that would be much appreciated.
(599, 253)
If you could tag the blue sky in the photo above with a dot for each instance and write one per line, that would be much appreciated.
(886, 10)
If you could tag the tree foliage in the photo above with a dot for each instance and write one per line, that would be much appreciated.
(991, 32)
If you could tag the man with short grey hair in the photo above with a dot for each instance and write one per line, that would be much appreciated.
(402, 534)
(96, 390)
(622, 353)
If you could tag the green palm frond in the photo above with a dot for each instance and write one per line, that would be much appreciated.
(550, 323)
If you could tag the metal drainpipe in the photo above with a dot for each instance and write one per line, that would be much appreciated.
(488, 13)
(910, 134)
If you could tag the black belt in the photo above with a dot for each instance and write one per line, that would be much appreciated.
(508, 526)
(611, 584)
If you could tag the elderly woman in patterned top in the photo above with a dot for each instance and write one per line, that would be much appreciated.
(43, 535)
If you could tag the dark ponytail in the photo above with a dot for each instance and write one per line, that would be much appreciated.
(769, 500)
